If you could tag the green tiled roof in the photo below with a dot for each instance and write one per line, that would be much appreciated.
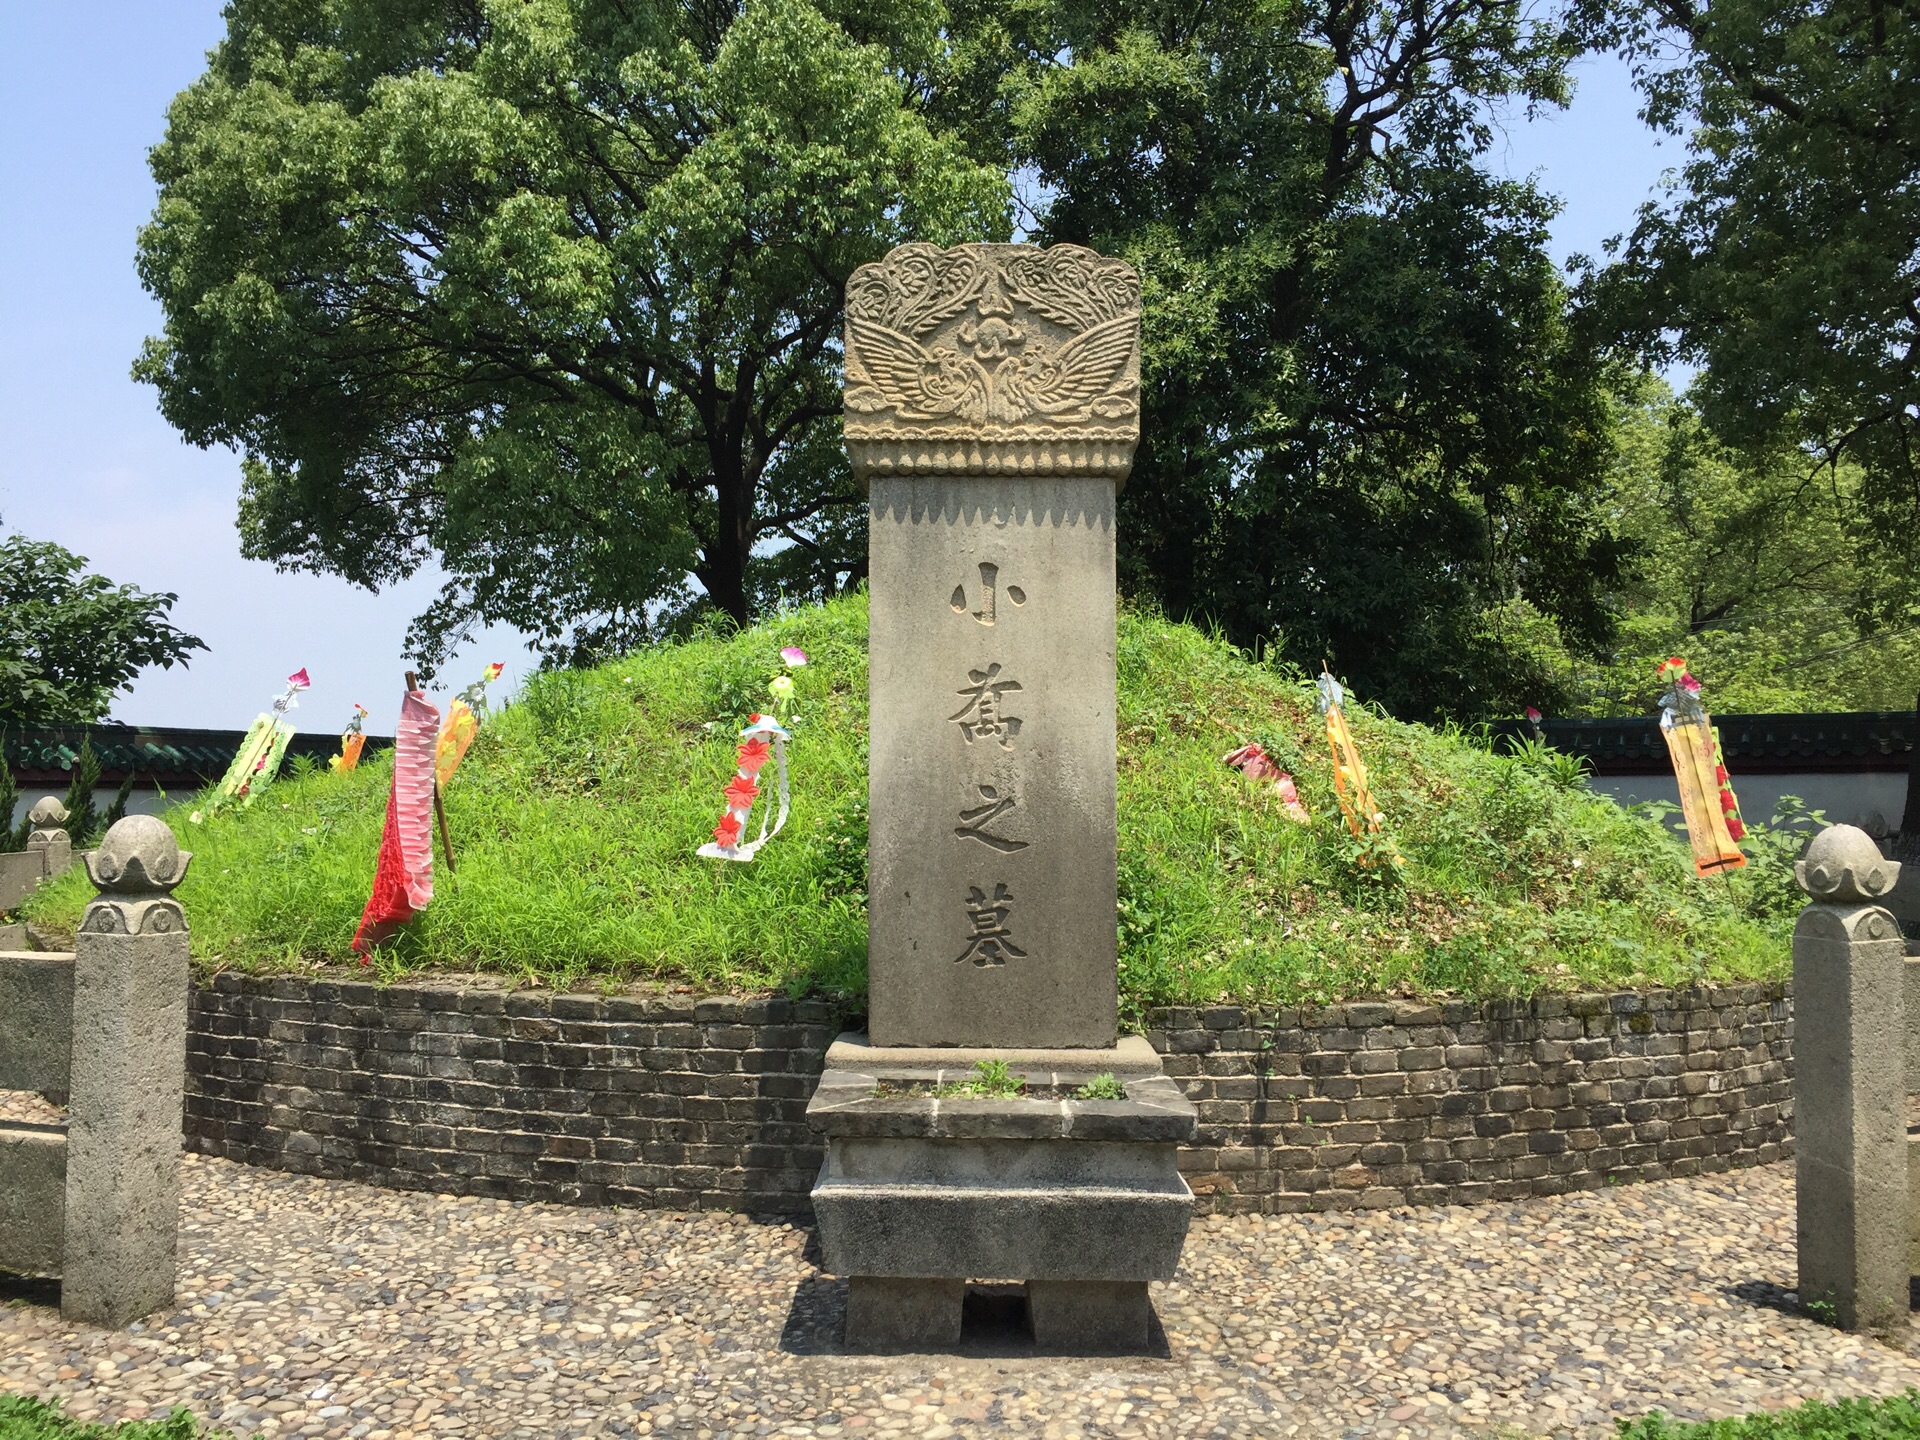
(149, 751)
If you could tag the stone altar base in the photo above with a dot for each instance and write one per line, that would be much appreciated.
(1082, 1200)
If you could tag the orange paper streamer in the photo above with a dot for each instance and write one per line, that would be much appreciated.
(463, 723)
(455, 737)
(1350, 786)
(353, 740)
(1706, 798)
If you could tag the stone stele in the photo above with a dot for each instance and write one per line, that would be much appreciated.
(992, 408)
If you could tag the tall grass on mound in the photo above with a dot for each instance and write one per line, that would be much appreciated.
(22, 1418)
(576, 815)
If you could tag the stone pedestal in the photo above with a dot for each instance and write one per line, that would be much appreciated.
(889, 1314)
(1849, 1088)
(1081, 1199)
(992, 408)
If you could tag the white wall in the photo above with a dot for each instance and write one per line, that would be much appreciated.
(1847, 799)
(140, 802)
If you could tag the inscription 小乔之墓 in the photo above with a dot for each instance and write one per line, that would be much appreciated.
(984, 717)
(973, 823)
(991, 942)
(989, 576)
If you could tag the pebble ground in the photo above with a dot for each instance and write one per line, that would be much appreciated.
(318, 1308)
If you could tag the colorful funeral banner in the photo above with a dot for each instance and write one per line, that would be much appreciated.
(262, 749)
(353, 739)
(1714, 827)
(463, 723)
(1350, 786)
(403, 881)
(761, 738)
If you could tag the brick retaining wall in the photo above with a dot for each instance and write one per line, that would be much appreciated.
(660, 1101)
(1388, 1104)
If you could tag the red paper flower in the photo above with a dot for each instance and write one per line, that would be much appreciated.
(1735, 828)
(741, 792)
(727, 831)
(1720, 773)
(754, 754)
(1726, 801)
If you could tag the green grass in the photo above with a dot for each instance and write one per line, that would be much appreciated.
(22, 1418)
(988, 1080)
(1896, 1417)
(576, 816)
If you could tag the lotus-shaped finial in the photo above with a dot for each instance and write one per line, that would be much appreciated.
(47, 813)
(1843, 866)
(138, 857)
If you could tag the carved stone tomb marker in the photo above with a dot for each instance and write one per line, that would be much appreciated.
(993, 398)
(992, 405)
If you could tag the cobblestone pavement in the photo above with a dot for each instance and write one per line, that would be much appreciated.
(313, 1307)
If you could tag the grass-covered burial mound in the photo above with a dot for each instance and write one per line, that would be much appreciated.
(576, 816)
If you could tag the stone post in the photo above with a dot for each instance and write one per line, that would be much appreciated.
(128, 1080)
(48, 853)
(48, 837)
(1849, 1085)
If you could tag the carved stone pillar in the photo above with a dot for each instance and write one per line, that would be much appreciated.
(48, 837)
(993, 404)
(128, 1079)
(1849, 1090)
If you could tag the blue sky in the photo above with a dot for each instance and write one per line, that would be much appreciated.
(88, 462)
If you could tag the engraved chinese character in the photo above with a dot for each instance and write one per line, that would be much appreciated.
(973, 823)
(988, 720)
(991, 942)
(989, 588)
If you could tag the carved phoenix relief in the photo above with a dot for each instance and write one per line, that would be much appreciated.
(997, 341)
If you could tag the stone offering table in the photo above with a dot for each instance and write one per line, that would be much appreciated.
(992, 409)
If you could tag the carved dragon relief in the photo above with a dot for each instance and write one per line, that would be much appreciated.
(1012, 348)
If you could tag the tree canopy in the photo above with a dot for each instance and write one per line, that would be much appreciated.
(70, 641)
(1366, 422)
(548, 291)
(1743, 562)
(1785, 259)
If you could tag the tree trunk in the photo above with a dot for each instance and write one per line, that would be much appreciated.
(723, 568)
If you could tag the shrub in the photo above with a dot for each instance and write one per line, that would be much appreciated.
(24, 1418)
(1897, 1417)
